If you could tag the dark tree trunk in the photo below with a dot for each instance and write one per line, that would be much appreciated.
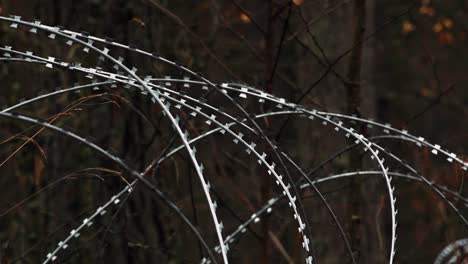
(353, 88)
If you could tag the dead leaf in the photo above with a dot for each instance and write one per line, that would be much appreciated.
(407, 27)
(448, 23)
(244, 18)
(437, 27)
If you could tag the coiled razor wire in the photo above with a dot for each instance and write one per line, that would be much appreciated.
(160, 92)
(456, 252)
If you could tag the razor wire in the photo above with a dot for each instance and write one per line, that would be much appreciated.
(160, 93)
(237, 138)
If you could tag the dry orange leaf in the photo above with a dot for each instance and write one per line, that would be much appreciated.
(244, 18)
(437, 27)
(448, 23)
(407, 27)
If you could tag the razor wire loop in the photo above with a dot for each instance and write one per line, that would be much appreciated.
(230, 238)
(452, 156)
(238, 138)
(250, 148)
(92, 39)
(453, 253)
(113, 197)
(268, 113)
(73, 35)
(360, 138)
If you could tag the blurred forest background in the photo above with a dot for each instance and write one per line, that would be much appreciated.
(395, 61)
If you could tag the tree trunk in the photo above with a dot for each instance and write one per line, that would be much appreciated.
(353, 88)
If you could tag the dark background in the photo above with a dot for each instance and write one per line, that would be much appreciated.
(400, 62)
